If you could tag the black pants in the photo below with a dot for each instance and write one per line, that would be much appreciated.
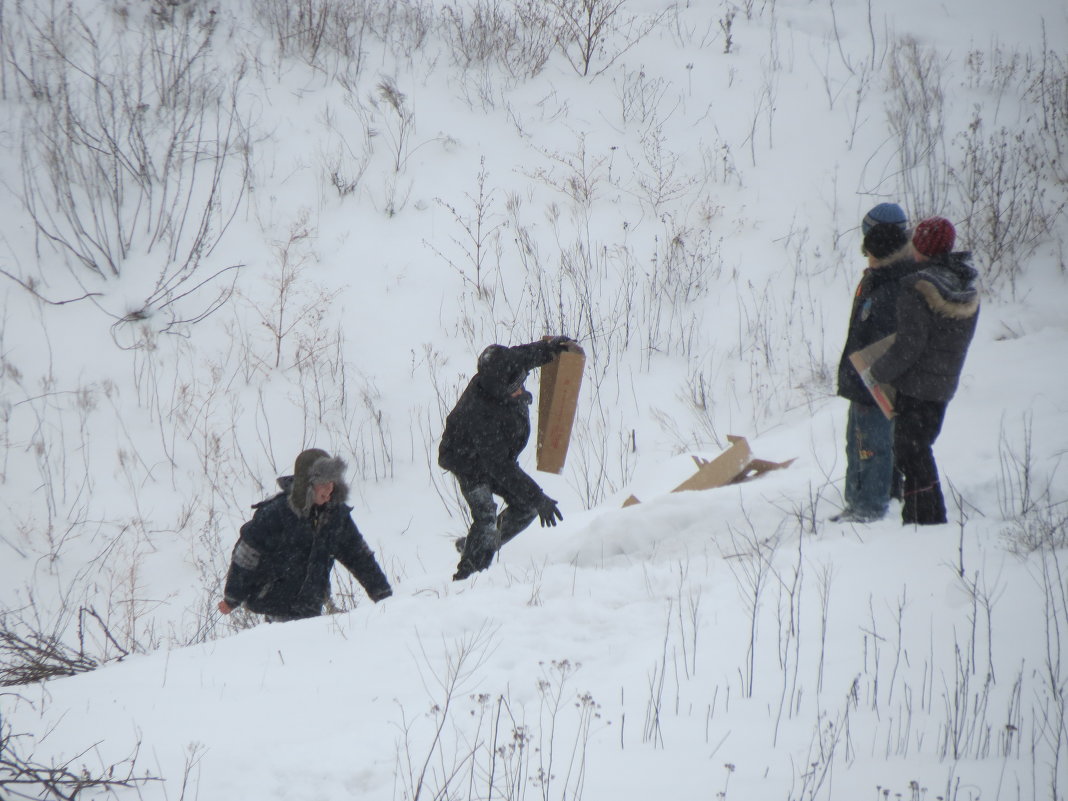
(489, 531)
(916, 427)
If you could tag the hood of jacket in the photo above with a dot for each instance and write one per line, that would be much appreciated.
(947, 284)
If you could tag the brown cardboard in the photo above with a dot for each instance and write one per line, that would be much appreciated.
(862, 361)
(557, 401)
(733, 466)
(720, 470)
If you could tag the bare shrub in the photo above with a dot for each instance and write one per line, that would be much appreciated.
(402, 25)
(915, 114)
(342, 162)
(32, 651)
(660, 178)
(480, 241)
(297, 306)
(127, 146)
(327, 35)
(515, 34)
(480, 32)
(640, 97)
(1002, 177)
(1005, 209)
(598, 30)
(483, 746)
(388, 116)
(1048, 90)
(21, 775)
(1036, 518)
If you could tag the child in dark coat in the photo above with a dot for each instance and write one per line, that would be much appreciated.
(281, 564)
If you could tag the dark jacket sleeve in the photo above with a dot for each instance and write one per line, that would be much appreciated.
(249, 563)
(499, 373)
(353, 552)
(913, 331)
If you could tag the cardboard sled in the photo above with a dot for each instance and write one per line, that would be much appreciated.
(862, 361)
(557, 401)
(733, 466)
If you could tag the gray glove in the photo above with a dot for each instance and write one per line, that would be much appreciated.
(548, 511)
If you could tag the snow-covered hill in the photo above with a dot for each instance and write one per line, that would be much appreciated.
(233, 233)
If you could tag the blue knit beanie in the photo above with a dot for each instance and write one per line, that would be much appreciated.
(885, 213)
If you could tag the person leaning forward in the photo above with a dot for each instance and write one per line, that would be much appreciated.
(484, 435)
(281, 564)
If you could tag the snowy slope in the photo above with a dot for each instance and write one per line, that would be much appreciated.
(691, 214)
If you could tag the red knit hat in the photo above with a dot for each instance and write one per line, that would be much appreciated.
(934, 236)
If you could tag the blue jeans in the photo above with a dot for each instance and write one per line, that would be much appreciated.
(869, 460)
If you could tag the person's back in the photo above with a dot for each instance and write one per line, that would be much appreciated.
(940, 307)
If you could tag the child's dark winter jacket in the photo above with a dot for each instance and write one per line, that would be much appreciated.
(874, 316)
(282, 561)
(937, 311)
(489, 427)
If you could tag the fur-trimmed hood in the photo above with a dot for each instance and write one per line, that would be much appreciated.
(313, 467)
(947, 284)
(902, 254)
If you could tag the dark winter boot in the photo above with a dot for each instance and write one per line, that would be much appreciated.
(924, 507)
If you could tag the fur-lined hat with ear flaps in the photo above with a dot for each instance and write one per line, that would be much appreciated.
(315, 466)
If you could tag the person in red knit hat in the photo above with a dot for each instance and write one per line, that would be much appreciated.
(937, 311)
(934, 237)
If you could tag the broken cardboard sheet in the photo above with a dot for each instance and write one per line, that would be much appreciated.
(733, 466)
(557, 401)
(862, 361)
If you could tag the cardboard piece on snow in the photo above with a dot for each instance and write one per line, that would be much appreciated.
(733, 466)
(557, 402)
(862, 361)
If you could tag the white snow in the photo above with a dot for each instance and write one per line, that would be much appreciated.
(692, 217)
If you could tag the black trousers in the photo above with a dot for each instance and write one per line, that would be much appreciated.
(489, 531)
(916, 427)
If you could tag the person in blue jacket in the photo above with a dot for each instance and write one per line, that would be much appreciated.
(869, 434)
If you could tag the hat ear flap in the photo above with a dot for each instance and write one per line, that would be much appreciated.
(300, 493)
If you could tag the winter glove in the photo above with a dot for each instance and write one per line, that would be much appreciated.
(559, 344)
(548, 511)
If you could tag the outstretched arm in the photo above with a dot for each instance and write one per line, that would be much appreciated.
(497, 373)
(358, 558)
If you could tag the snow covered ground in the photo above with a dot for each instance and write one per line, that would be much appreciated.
(383, 204)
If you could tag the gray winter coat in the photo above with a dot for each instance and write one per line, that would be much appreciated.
(937, 311)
